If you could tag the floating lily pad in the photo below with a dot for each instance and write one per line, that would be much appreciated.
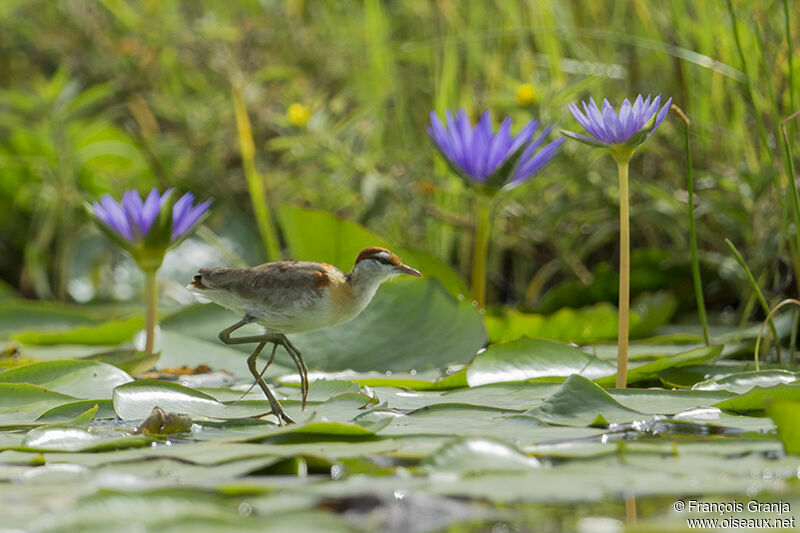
(756, 398)
(785, 413)
(136, 400)
(106, 333)
(478, 455)
(81, 379)
(581, 402)
(651, 370)
(587, 324)
(744, 381)
(529, 358)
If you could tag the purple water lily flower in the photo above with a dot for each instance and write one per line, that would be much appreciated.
(133, 218)
(631, 125)
(487, 158)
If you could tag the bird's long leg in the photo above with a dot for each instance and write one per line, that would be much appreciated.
(225, 336)
(277, 409)
(302, 370)
(261, 375)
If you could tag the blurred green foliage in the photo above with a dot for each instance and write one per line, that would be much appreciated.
(99, 96)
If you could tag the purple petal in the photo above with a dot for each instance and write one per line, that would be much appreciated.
(536, 163)
(524, 134)
(661, 116)
(499, 147)
(115, 217)
(152, 205)
(181, 225)
(132, 205)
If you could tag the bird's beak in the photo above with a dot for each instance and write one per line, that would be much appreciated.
(404, 269)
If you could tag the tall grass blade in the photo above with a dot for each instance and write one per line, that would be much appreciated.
(698, 283)
(759, 295)
(255, 183)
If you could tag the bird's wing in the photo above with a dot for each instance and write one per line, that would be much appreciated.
(270, 283)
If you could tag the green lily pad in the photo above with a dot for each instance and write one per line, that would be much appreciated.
(69, 411)
(756, 398)
(528, 358)
(319, 236)
(410, 324)
(667, 402)
(24, 397)
(74, 439)
(588, 324)
(651, 370)
(135, 401)
(785, 413)
(78, 378)
(581, 402)
(131, 361)
(106, 333)
(744, 381)
(20, 315)
(478, 455)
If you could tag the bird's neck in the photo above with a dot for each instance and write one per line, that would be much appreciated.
(364, 285)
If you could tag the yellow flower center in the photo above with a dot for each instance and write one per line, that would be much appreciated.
(298, 114)
(526, 94)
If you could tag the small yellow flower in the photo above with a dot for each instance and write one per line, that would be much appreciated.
(298, 114)
(526, 94)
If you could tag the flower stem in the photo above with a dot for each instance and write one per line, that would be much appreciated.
(480, 249)
(624, 274)
(151, 306)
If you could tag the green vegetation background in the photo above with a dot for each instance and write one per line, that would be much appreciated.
(97, 97)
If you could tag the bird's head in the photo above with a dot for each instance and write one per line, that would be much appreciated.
(380, 264)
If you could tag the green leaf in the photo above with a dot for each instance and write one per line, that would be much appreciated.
(318, 236)
(69, 411)
(588, 324)
(311, 431)
(757, 397)
(529, 358)
(69, 439)
(24, 397)
(19, 315)
(478, 455)
(82, 379)
(107, 333)
(744, 381)
(580, 402)
(131, 361)
(135, 401)
(667, 402)
(652, 369)
(785, 413)
(410, 324)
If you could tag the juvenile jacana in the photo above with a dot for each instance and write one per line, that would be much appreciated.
(294, 297)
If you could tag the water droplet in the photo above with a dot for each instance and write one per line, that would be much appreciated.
(399, 494)
(388, 372)
(337, 472)
(413, 372)
(245, 509)
(460, 297)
